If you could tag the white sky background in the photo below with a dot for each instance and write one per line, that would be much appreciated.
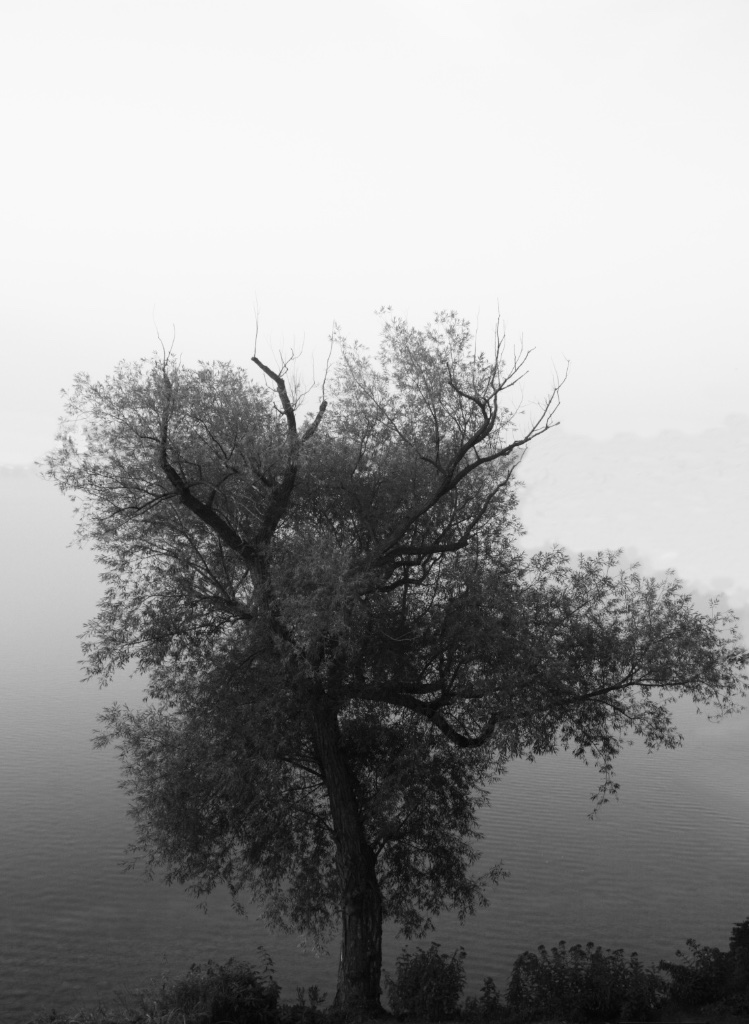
(582, 166)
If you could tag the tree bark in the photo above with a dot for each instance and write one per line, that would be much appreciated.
(360, 965)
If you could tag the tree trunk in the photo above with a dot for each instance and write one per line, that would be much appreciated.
(360, 965)
(361, 901)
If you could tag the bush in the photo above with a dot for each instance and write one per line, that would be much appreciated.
(739, 937)
(218, 993)
(488, 1006)
(428, 984)
(308, 1008)
(580, 983)
(699, 977)
(738, 969)
(583, 984)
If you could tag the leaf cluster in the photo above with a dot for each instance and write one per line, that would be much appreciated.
(582, 983)
(427, 984)
(706, 974)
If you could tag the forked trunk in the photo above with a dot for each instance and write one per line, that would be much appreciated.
(361, 901)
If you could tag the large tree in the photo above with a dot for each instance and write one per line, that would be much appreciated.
(341, 638)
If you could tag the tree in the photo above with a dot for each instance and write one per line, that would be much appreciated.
(343, 641)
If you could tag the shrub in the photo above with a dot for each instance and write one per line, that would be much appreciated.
(705, 974)
(488, 1006)
(582, 983)
(233, 991)
(308, 1008)
(646, 992)
(428, 984)
(738, 971)
(699, 977)
(739, 937)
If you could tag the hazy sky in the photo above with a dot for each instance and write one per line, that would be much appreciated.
(582, 166)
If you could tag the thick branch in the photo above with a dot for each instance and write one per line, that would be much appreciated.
(449, 730)
(288, 408)
(435, 716)
(203, 511)
(312, 428)
(282, 490)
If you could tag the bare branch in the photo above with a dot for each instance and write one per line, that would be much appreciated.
(278, 380)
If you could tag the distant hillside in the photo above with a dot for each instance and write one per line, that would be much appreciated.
(674, 500)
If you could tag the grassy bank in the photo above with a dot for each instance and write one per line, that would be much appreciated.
(586, 984)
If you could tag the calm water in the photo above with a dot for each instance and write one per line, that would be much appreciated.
(666, 862)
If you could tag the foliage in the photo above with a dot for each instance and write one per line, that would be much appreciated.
(488, 1006)
(233, 991)
(427, 984)
(739, 940)
(308, 1008)
(699, 976)
(342, 640)
(706, 974)
(579, 983)
(738, 977)
(582, 983)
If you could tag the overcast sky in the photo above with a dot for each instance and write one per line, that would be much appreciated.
(580, 166)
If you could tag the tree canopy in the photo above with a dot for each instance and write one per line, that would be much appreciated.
(342, 639)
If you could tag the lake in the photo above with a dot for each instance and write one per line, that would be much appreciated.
(665, 862)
